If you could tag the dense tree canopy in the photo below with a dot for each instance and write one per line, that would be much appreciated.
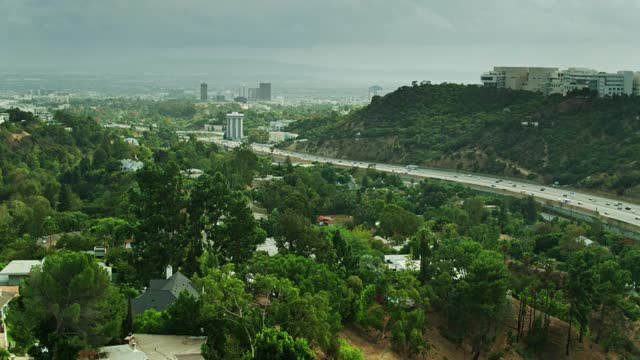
(68, 305)
(383, 255)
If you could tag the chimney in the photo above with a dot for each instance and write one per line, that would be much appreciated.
(169, 271)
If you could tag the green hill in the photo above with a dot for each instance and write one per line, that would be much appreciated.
(576, 140)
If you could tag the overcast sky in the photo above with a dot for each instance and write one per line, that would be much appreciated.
(407, 35)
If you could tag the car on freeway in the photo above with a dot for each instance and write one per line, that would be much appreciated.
(579, 203)
(493, 185)
(541, 189)
(606, 213)
(637, 217)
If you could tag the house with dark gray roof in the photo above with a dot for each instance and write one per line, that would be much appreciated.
(163, 292)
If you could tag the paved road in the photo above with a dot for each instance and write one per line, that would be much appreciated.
(607, 208)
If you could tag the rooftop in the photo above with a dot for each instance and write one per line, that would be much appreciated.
(269, 246)
(162, 293)
(163, 347)
(5, 297)
(131, 165)
(401, 262)
(20, 267)
(585, 240)
(121, 352)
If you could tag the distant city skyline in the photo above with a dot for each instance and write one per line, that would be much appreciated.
(402, 40)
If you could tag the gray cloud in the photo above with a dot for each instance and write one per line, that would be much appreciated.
(370, 33)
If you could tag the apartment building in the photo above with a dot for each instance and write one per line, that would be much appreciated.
(234, 129)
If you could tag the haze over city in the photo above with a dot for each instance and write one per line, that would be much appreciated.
(336, 41)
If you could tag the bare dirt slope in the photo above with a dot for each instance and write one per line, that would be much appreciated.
(369, 348)
(441, 348)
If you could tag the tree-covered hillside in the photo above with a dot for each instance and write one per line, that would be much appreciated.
(281, 264)
(577, 140)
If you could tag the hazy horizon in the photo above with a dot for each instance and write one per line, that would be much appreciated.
(339, 41)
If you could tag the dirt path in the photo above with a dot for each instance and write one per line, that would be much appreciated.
(370, 350)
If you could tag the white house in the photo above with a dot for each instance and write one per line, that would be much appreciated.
(132, 141)
(4, 117)
(401, 262)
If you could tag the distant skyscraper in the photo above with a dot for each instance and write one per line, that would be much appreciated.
(234, 126)
(203, 92)
(264, 92)
(253, 94)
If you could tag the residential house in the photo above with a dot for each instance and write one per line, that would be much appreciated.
(7, 293)
(163, 292)
(122, 352)
(131, 165)
(172, 347)
(269, 246)
(401, 262)
(132, 141)
(325, 220)
(50, 241)
(192, 173)
(17, 270)
(584, 240)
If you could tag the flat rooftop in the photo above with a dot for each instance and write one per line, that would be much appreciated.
(163, 347)
(20, 267)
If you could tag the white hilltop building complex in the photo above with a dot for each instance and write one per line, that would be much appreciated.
(550, 80)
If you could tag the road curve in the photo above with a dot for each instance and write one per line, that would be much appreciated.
(605, 207)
